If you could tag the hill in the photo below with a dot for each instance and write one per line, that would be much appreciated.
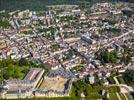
(12, 5)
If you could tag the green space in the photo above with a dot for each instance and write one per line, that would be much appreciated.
(69, 34)
(127, 54)
(128, 77)
(114, 30)
(52, 30)
(121, 80)
(128, 96)
(4, 24)
(108, 57)
(68, 55)
(111, 22)
(128, 13)
(112, 57)
(11, 69)
(49, 32)
(113, 96)
(53, 98)
(91, 91)
(55, 47)
(111, 80)
(4, 17)
(122, 96)
(15, 68)
(78, 68)
(68, 18)
(12, 5)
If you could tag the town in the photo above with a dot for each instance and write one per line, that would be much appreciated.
(68, 52)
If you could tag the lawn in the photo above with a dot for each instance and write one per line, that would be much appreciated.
(111, 89)
(16, 69)
(121, 80)
(78, 68)
(12, 5)
(92, 92)
(131, 84)
(111, 80)
(113, 96)
(94, 96)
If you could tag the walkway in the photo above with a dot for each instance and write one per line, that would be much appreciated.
(124, 88)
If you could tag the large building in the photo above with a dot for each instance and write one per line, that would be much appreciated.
(56, 86)
(14, 89)
(85, 37)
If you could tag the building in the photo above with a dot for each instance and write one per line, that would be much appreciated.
(85, 38)
(3, 44)
(91, 78)
(15, 88)
(53, 64)
(56, 86)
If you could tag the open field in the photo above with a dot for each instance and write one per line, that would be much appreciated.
(113, 96)
(56, 83)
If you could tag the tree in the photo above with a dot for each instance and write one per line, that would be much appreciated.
(23, 62)
(9, 72)
(129, 76)
(127, 54)
(108, 57)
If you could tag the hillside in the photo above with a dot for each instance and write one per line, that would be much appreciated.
(12, 5)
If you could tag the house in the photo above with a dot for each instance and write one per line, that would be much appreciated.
(53, 64)
(85, 37)
(91, 78)
(106, 82)
(56, 86)
(82, 16)
(105, 93)
(121, 70)
(132, 59)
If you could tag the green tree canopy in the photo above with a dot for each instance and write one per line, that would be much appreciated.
(129, 76)
(108, 57)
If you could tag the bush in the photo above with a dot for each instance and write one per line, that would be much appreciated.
(129, 76)
(111, 80)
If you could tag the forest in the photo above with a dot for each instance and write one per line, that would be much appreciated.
(11, 5)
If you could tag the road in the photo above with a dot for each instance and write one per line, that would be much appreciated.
(124, 88)
(112, 40)
(118, 95)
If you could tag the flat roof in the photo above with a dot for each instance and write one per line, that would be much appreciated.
(2, 44)
(32, 73)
